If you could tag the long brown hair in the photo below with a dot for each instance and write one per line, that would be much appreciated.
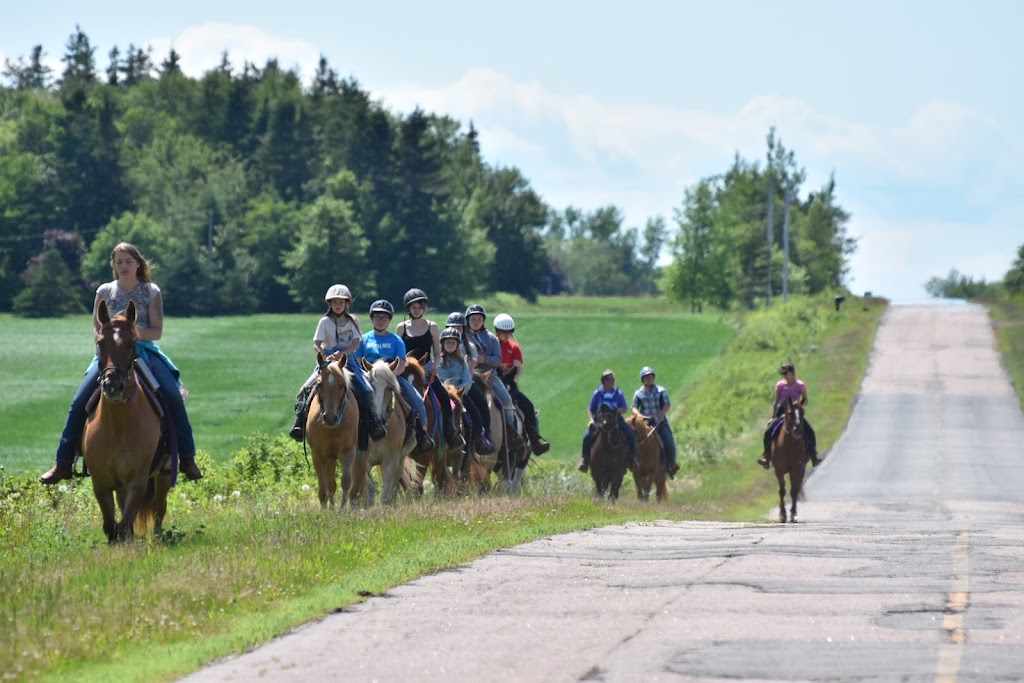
(142, 272)
(345, 314)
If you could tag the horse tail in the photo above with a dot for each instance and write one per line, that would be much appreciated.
(146, 514)
(411, 478)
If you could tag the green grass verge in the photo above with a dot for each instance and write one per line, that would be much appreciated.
(249, 553)
(1008, 321)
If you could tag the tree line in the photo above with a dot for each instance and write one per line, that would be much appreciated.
(253, 192)
(957, 285)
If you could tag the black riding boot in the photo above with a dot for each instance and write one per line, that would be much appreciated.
(298, 429)
(187, 466)
(423, 441)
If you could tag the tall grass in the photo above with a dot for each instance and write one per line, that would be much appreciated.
(1008, 320)
(248, 553)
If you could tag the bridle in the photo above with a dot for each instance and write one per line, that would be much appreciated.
(320, 399)
(110, 373)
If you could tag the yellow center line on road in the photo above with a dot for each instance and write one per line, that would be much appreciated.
(957, 600)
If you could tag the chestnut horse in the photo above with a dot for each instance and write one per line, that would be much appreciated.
(789, 456)
(511, 452)
(121, 439)
(651, 472)
(609, 454)
(332, 427)
(390, 452)
(444, 460)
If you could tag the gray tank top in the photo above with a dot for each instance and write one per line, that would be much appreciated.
(117, 301)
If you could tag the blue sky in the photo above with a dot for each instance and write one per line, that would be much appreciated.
(912, 105)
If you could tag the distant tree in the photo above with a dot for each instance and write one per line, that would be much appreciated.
(696, 267)
(1013, 281)
(79, 61)
(54, 286)
(30, 75)
(959, 286)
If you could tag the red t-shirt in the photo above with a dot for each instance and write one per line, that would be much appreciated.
(510, 351)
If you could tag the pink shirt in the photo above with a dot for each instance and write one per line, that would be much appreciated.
(784, 391)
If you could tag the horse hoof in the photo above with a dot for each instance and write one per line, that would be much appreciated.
(793, 520)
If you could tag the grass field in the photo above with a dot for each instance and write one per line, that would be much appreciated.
(248, 553)
(1008, 320)
(243, 372)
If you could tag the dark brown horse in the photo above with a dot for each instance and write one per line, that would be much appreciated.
(332, 428)
(789, 456)
(651, 472)
(121, 439)
(609, 454)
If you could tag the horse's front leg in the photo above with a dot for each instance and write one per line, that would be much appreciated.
(162, 488)
(109, 512)
(133, 496)
(782, 498)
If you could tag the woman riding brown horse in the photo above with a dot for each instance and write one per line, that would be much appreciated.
(121, 440)
(789, 456)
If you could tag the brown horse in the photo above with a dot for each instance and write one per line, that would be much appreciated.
(390, 452)
(121, 439)
(444, 460)
(511, 452)
(332, 427)
(651, 472)
(609, 454)
(789, 456)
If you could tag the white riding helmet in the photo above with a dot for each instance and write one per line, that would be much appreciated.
(504, 322)
(338, 292)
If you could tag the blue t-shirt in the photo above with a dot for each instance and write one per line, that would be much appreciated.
(375, 347)
(614, 399)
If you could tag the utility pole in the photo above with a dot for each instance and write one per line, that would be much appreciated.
(785, 246)
(771, 237)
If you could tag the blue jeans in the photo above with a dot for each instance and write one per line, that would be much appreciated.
(175, 405)
(74, 424)
(413, 398)
(668, 441)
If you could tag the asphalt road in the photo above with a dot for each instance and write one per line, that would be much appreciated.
(906, 566)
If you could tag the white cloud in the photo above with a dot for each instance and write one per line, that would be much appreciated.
(202, 46)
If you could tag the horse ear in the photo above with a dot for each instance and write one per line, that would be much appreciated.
(365, 364)
(103, 313)
(343, 361)
(423, 359)
(393, 364)
(461, 391)
(320, 358)
(130, 313)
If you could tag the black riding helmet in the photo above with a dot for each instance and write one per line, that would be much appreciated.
(455, 318)
(476, 309)
(382, 306)
(412, 296)
(451, 333)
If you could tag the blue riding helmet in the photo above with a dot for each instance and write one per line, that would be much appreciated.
(646, 370)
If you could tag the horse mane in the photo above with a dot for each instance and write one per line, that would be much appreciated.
(381, 372)
(482, 380)
(414, 366)
(454, 394)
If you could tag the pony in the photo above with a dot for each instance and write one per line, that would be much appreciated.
(789, 456)
(332, 427)
(608, 454)
(444, 461)
(512, 451)
(651, 471)
(390, 452)
(121, 441)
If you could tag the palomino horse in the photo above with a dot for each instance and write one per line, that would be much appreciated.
(391, 451)
(122, 437)
(651, 472)
(789, 456)
(332, 427)
(511, 452)
(609, 454)
(444, 460)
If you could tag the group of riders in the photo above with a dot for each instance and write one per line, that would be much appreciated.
(452, 356)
